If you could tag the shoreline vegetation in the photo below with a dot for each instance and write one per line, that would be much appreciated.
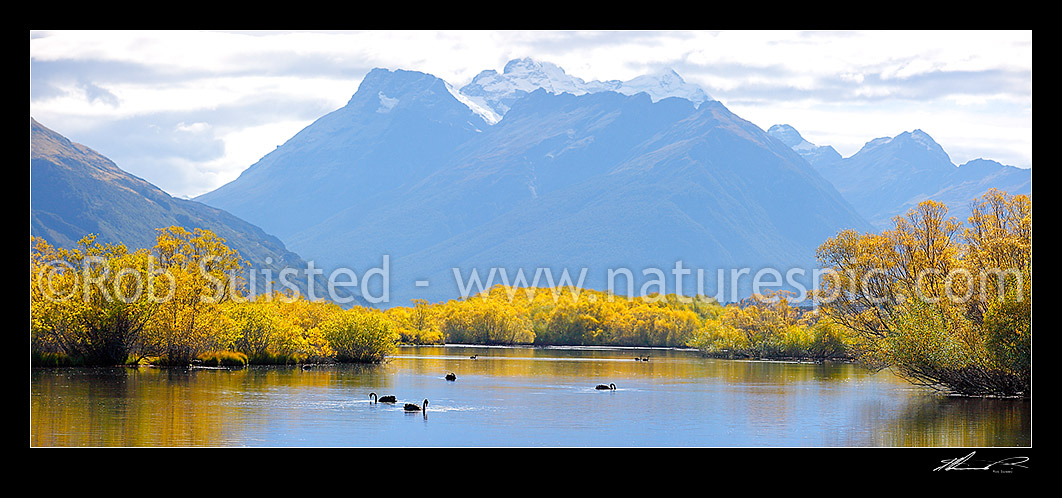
(890, 304)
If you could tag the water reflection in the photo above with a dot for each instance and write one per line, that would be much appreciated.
(514, 397)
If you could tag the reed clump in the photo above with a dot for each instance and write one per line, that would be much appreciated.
(222, 359)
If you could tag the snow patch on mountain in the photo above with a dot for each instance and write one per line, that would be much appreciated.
(916, 137)
(790, 136)
(814, 154)
(386, 103)
(925, 140)
(484, 112)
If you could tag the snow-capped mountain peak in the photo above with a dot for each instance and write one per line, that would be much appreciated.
(495, 91)
(817, 155)
(665, 84)
(918, 137)
(790, 136)
(925, 140)
(529, 75)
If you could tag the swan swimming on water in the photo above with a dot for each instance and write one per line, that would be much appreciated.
(411, 407)
(604, 387)
(383, 399)
(451, 376)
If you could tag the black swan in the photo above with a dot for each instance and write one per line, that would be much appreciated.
(608, 387)
(451, 376)
(410, 407)
(383, 399)
(473, 356)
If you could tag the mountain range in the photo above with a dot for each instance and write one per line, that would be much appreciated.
(596, 179)
(529, 170)
(890, 175)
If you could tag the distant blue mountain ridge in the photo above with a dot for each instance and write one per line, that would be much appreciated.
(891, 175)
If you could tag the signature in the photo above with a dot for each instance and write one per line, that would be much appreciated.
(1004, 465)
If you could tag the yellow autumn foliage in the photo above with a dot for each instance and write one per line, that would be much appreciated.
(944, 304)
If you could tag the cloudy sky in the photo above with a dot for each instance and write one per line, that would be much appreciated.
(189, 110)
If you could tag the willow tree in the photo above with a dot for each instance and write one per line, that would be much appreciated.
(944, 306)
(89, 303)
(491, 317)
(359, 335)
(418, 324)
(999, 253)
(197, 275)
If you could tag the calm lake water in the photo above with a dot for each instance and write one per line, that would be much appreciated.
(514, 397)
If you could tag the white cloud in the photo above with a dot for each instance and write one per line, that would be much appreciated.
(193, 127)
